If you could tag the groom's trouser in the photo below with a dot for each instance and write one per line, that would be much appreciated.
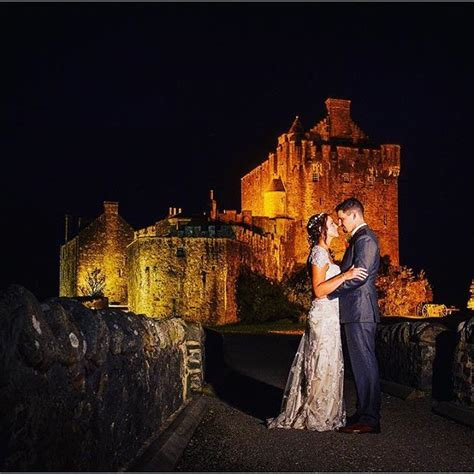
(360, 339)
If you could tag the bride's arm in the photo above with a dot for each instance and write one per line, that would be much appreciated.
(323, 287)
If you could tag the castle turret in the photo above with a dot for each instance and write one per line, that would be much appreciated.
(296, 130)
(274, 199)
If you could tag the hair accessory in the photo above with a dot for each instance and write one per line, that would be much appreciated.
(314, 220)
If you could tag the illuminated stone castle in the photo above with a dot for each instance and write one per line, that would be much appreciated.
(313, 170)
(189, 265)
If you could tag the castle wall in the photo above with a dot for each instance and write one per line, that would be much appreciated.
(194, 277)
(68, 258)
(253, 186)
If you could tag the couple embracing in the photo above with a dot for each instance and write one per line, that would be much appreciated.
(346, 295)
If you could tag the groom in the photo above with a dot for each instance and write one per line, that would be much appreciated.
(359, 315)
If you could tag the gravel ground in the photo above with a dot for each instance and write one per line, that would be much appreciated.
(412, 439)
(232, 436)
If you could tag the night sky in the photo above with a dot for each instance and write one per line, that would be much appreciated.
(152, 105)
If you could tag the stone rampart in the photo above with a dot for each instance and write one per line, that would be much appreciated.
(85, 390)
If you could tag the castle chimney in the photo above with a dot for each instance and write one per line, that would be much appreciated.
(111, 208)
(339, 111)
(170, 211)
(212, 206)
(66, 228)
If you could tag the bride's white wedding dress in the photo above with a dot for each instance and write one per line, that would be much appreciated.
(313, 396)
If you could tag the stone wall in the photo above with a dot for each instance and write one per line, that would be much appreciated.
(463, 366)
(84, 390)
(407, 352)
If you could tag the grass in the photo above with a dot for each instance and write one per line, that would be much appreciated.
(283, 326)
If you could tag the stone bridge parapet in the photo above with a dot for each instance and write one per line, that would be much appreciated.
(84, 390)
(463, 365)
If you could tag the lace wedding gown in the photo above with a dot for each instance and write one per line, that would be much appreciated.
(313, 396)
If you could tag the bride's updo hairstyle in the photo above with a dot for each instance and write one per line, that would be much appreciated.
(317, 228)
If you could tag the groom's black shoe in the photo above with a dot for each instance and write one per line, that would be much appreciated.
(360, 428)
(352, 420)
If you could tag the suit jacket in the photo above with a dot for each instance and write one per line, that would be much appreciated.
(358, 298)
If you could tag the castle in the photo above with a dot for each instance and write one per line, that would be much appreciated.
(189, 265)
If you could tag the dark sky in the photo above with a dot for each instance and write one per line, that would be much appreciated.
(152, 105)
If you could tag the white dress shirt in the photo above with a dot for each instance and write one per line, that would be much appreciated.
(357, 228)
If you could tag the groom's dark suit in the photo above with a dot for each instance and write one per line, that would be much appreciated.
(359, 314)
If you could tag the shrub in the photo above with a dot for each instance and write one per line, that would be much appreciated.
(260, 299)
(400, 291)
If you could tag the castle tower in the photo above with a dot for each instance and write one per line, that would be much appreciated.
(316, 168)
(101, 245)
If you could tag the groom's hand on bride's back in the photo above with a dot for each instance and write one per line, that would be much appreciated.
(357, 273)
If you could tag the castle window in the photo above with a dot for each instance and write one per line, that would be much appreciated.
(346, 177)
(384, 181)
(385, 219)
(371, 179)
(180, 252)
(315, 176)
(319, 153)
(147, 276)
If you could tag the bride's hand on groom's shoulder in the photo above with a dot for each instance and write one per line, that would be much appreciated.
(357, 273)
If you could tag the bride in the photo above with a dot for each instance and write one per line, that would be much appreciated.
(313, 396)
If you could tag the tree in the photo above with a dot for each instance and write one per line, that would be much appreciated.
(95, 283)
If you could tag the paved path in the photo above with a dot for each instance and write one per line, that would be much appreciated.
(232, 436)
